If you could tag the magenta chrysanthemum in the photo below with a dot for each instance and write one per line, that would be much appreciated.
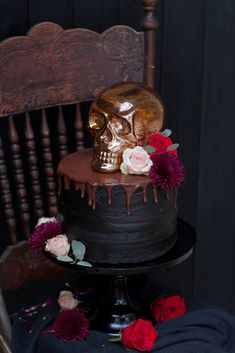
(167, 170)
(42, 233)
(71, 325)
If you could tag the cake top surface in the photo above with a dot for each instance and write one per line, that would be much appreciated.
(77, 167)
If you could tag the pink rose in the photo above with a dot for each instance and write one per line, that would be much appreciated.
(58, 246)
(135, 161)
(66, 300)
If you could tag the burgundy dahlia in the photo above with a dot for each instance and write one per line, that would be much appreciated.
(71, 325)
(167, 170)
(42, 233)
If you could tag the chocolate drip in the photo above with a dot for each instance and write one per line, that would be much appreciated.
(81, 187)
(89, 194)
(66, 182)
(109, 190)
(86, 179)
(129, 190)
(155, 194)
(145, 194)
(93, 191)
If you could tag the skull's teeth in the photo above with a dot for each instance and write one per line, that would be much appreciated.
(107, 157)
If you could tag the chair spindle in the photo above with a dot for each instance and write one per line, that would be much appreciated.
(78, 125)
(33, 167)
(62, 138)
(47, 156)
(7, 198)
(18, 175)
(149, 25)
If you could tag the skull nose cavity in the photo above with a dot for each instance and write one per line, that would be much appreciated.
(106, 136)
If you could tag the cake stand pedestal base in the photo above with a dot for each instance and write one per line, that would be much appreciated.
(117, 311)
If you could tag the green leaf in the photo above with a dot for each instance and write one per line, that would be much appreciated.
(166, 132)
(172, 147)
(79, 249)
(149, 149)
(84, 263)
(64, 258)
(116, 339)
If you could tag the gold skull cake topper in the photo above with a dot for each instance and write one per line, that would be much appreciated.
(119, 118)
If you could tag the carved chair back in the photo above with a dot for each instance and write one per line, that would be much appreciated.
(47, 78)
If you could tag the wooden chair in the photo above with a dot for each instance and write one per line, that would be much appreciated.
(44, 77)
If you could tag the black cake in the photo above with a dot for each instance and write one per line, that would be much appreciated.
(121, 219)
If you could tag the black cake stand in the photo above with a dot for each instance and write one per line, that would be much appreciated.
(117, 310)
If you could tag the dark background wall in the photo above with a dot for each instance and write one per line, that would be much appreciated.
(196, 78)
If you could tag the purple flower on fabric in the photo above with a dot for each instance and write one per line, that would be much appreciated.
(42, 233)
(70, 325)
(167, 170)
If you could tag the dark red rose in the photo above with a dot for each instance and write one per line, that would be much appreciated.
(140, 335)
(167, 308)
(71, 325)
(160, 143)
(167, 170)
(42, 233)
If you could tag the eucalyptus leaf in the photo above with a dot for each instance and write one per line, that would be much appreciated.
(64, 258)
(84, 263)
(172, 147)
(116, 339)
(149, 149)
(166, 132)
(79, 249)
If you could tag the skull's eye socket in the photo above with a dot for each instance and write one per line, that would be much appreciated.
(121, 125)
(96, 120)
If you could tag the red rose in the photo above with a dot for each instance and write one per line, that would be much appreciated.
(160, 143)
(167, 308)
(139, 335)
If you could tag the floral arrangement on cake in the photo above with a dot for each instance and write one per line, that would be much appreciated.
(49, 236)
(158, 158)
